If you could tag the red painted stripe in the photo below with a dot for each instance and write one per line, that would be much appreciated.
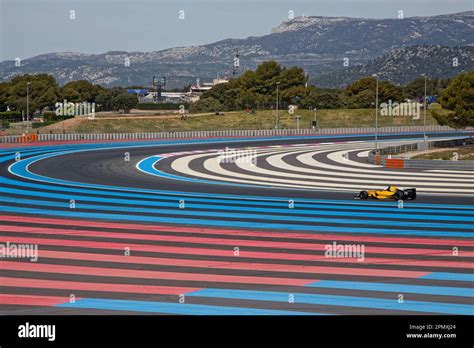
(297, 235)
(32, 300)
(229, 242)
(244, 265)
(163, 249)
(75, 286)
(142, 274)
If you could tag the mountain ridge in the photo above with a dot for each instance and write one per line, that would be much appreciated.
(320, 47)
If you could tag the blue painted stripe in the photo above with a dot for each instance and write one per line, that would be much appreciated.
(244, 200)
(173, 308)
(465, 209)
(397, 288)
(228, 224)
(466, 277)
(402, 215)
(25, 155)
(337, 300)
(241, 216)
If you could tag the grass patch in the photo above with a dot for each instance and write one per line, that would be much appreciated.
(264, 119)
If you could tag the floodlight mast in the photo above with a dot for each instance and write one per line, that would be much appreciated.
(159, 82)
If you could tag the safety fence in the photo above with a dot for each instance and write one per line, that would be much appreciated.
(384, 157)
(419, 146)
(36, 137)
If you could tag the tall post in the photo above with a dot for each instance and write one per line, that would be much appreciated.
(277, 121)
(376, 111)
(315, 118)
(424, 115)
(27, 100)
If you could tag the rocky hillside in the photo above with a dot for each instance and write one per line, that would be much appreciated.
(318, 44)
(405, 64)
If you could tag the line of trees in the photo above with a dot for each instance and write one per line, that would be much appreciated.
(257, 90)
(44, 93)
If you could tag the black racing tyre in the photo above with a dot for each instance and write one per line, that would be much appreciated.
(399, 195)
(363, 195)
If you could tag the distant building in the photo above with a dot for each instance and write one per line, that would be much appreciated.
(206, 86)
(138, 92)
(195, 91)
(166, 97)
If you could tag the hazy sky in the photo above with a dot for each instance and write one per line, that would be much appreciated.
(32, 27)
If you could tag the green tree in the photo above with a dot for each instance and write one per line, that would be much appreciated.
(459, 98)
(43, 92)
(268, 71)
(361, 93)
(124, 102)
(247, 99)
(103, 100)
(80, 91)
(3, 96)
(322, 98)
(70, 94)
(294, 95)
(416, 88)
(292, 77)
(267, 75)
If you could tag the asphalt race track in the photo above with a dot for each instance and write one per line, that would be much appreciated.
(190, 227)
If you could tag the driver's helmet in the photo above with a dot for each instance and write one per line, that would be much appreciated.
(392, 189)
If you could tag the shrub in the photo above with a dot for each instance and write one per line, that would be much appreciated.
(13, 116)
(50, 116)
(206, 105)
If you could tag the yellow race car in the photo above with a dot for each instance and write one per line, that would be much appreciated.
(391, 192)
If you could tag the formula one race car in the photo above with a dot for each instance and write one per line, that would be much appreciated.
(392, 192)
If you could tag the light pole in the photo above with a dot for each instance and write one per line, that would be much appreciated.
(376, 111)
(277, 120)
(27, 100)
(424, 112)
(315, 120)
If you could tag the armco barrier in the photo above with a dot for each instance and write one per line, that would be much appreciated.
(440, 164)
(419, 146)
(218, 134)
(384, 156)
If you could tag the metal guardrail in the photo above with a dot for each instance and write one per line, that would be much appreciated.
(35, 137)
(440, 164)
(399, 149)
(386, 159)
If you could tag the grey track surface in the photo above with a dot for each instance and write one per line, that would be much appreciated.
(108, 168)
